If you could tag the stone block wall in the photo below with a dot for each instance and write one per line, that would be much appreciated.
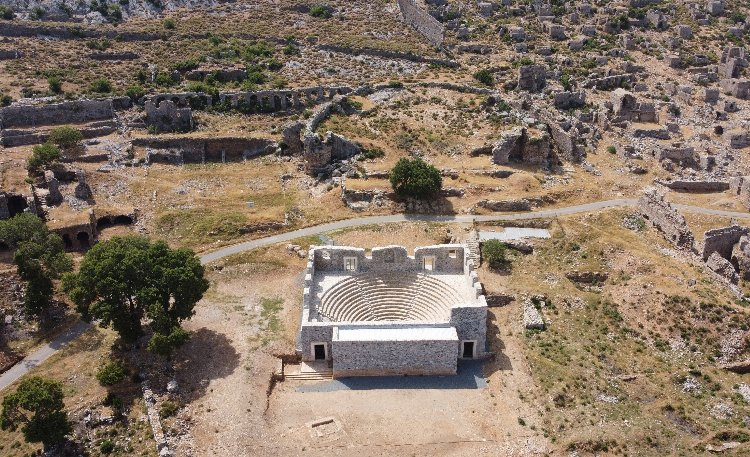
(471, 323)
(72, 112)
(449, 258)
(422, 22)
(394, 358)
(722, 240)
(666, 219)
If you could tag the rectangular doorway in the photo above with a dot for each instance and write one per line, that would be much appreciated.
(319, 350)
(428, 263)
(467, 351)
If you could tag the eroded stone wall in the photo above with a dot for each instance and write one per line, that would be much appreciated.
(422, 22)
(666, 219)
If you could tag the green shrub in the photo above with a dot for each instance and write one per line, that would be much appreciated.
(370, 154)
(6, 12)
(55, 84)
(185, 65)
(494, 253)
(169, 23)
(415, 178)
(111, 373)
(168, 409)
(37, 12)
(395, 84)
(135, 92)
(485, 77)
(42, 156)
(611, 149)
(321, 11)
(164, 80)
(258, 49)
(101, 86)
(5, 100)
(65, 137)
(106, 447)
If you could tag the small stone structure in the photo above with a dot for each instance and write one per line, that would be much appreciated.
(666, 219)
(523, 145)
(391, 313)
(168, 117)
(422, 22)
(626, 108)
(532, 318)
(82, 190)
(532, 78)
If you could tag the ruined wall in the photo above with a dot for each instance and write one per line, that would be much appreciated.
(422, 22)
(72, 112)
(201, 150)
(666, 219)
(449, 258)
(722, 240)
(696, 186)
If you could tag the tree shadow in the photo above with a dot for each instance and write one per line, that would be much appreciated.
(206, 356)
(500, 361)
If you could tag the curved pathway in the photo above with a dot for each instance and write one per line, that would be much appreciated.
(463, 218)
(42, 354)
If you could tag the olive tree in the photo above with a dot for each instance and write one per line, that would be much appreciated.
(125, 281)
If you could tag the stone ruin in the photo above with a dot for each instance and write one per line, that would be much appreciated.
(168, 117)
(740, 186)
(178, 151)
(419, 19)
(726, 251)
(390, 313)
(82, 190)
(660, 213)
(522, 146)
(19, 122)
(625, 108)
(13, 203)
(532, 78)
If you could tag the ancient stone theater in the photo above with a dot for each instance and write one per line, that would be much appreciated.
(390, 313)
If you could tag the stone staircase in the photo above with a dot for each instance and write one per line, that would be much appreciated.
(472, 243)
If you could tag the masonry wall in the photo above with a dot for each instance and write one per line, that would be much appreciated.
(391, 258)
(59, 113)
(383, 358)
(722, 240)
(471, 323)
(422, 22)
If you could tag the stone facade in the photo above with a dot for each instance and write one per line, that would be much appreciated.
(397, 314)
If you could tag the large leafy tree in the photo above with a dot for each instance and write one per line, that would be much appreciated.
(37, 408)
(126, 280)
(40, 257)
(415, 178)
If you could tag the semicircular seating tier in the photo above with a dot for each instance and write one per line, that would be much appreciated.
(399, 296)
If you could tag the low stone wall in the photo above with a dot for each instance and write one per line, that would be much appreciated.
(389, 55)
(696, 186)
